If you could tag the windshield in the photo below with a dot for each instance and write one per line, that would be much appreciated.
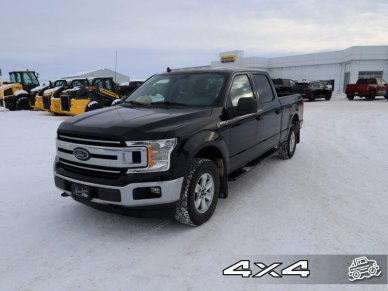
(188, 89)
(78, 83)
(104, 83)
(59, 83)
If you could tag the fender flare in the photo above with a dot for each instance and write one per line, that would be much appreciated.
(205, 139)
(21, 93)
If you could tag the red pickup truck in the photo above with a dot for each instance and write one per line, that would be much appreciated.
(368, 88)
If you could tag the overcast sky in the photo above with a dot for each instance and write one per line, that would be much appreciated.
(57, 38)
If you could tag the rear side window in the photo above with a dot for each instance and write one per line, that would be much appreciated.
(241, 88)
(264, 89)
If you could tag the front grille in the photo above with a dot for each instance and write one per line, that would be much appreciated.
(65, 102)
(106, 159)
(96, 156)
(92, 171)
(46, 102)
(8, 92)
(97, 141)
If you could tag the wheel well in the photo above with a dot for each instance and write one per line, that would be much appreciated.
(21, 96)
(215, 155)
(295, 121)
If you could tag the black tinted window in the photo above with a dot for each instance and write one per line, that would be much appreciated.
(264, 89)
(241, 88)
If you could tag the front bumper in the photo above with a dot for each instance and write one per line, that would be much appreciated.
(55, 106)
(38, 103)
(125, 196)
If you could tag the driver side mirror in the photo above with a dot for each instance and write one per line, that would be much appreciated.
(246, 106)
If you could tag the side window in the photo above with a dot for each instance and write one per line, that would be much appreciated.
(109, 85)
(241, 88)
(263, 88)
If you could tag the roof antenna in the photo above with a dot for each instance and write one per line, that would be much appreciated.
(168, 70)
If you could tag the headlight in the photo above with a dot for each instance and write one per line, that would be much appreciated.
(158, 154)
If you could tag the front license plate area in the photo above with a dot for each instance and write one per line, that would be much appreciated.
(80, 191)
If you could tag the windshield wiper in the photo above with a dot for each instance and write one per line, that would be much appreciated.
(134, 102)
(168, 103)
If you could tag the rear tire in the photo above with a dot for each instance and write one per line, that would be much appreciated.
(22, 103)
(287, 149)
(328, 97)
(371, 96)
(311, 98)
(200, 191)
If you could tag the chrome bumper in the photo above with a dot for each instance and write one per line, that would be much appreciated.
(170, 192)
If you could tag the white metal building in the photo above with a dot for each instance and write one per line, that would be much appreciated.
(344, 66)
(117, 77)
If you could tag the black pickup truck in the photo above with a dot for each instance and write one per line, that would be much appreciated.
(174, 142)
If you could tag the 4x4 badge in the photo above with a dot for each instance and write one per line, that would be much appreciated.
(363, 268)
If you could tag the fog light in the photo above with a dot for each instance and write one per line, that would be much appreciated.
(147, 193)
(155, 190)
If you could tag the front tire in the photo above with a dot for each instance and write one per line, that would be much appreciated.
(287, 148)
(200, 191)
(22, 103)
(350, 96)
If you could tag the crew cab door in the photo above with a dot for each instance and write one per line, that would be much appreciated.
(268, 131)
(242, 126)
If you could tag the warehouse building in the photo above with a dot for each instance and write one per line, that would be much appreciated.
(117, 77)
(344, 66)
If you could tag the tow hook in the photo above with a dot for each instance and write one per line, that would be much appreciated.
(64, 194)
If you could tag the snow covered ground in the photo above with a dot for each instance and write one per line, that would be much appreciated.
(331, 198)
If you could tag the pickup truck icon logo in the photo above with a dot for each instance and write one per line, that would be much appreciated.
(363, 268)
(81, 154)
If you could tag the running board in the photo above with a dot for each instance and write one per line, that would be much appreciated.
(245, 169)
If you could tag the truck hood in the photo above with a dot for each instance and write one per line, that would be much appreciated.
(137, 123)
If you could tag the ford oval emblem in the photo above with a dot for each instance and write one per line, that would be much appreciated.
(81, 154)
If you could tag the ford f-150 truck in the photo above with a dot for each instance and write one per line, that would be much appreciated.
(368, 88)
(175, 140)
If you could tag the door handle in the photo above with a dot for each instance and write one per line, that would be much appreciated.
(277, 111)
(259, 117)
